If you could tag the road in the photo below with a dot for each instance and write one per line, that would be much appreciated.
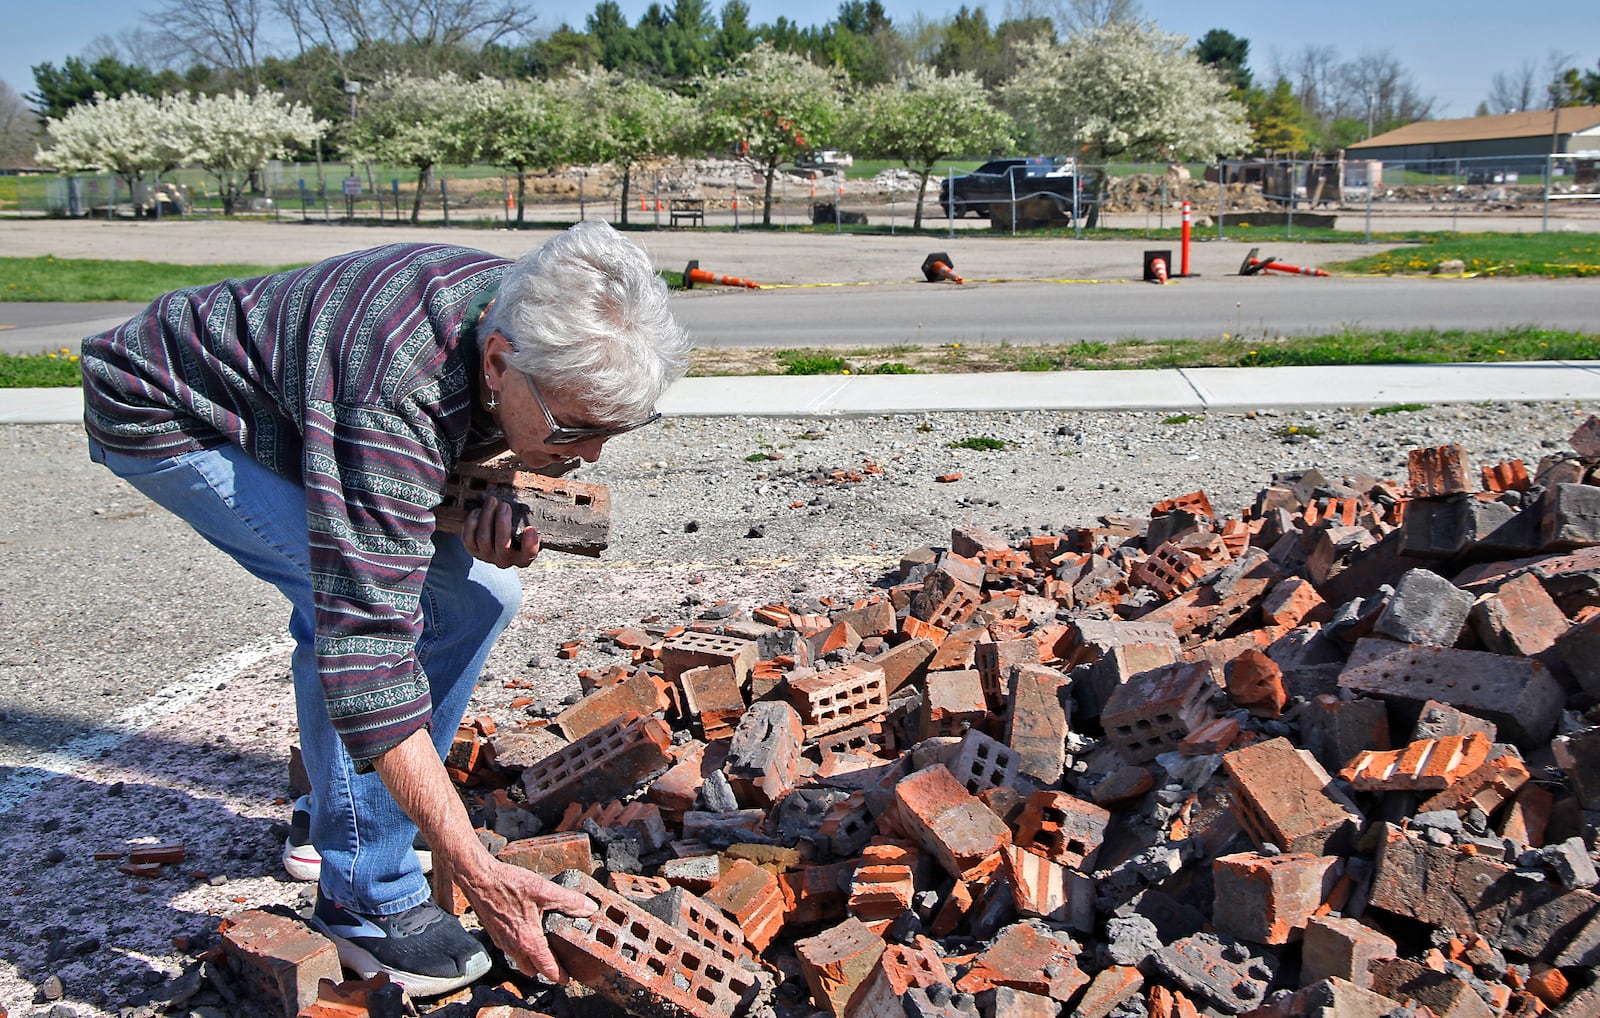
(1029, 312)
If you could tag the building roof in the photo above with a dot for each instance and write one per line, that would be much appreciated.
(1532, 124)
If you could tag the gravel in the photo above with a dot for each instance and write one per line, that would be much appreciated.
(136, 654)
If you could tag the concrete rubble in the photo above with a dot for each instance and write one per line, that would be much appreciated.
(1337, 755)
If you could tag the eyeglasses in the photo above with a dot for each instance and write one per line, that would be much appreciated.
(562, 435)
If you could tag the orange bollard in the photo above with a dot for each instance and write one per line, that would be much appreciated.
(693, 273)
(1188, 211)
(1292, 270)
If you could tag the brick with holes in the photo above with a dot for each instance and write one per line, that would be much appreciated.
(1045, 889)
(837, 962)
(1027, 958)
(640, 963)
(695, 650)
(881, 892)
(839, 698)
(1425, 765)
(949, 822)
(994, 662)
(1169, 571)
(570, 516)
(1438, 471)
(689, 913)
(982, 763)
(1223, 972)
(1061, 827)
(1156, 710)
(615, 758)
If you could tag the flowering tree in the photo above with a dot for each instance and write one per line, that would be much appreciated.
(129, 137)
(775, 106)
(1125, 90)
(232, 136)
(923, 118)
(625, 121)
(518, 126)
(414, 122)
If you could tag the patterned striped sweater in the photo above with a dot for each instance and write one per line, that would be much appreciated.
(355, 377)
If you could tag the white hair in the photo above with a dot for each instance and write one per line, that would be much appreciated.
(587, 315)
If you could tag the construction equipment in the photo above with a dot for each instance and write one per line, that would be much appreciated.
(938, 267)
(692, 274)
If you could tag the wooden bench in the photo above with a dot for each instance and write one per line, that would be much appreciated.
(691, 209)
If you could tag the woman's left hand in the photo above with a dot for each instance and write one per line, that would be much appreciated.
(490, 536)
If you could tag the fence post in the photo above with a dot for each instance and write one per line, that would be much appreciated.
(1290, 231)
(1549, 171)
(950, 199)
(1222, 194)
(444, 199)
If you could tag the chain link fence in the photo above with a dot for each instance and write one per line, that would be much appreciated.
(1226, 196)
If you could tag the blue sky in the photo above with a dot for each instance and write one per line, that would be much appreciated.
(1452, 49)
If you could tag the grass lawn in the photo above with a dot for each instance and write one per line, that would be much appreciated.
(85, 279)
(1490, 254)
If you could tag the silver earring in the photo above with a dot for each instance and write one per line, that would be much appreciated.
(493, 402)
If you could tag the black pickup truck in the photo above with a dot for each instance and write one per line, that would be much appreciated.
(1001, 181)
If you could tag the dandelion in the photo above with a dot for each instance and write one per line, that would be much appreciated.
(1226, 336)
(844, 371)
(1252, 353)
(52, 356)
(1500, 352)
(73, 358)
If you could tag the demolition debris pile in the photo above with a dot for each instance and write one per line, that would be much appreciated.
(1334, 757)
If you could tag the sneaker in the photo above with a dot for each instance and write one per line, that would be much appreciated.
(301, 858)
(424, 948)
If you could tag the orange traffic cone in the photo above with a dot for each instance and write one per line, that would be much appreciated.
(938, 266)
(692, 274)
(1292, 270)
(1158, 268)
(642, 207)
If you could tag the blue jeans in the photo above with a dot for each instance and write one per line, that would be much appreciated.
(259, 518)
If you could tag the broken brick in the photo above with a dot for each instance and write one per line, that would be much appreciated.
(1268, 899)
(282, 959)
(1283, 797)
(950, 822)
(837, 962)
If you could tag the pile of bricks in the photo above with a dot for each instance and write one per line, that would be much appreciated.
(1336, 756)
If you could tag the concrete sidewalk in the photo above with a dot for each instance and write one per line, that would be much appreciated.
(1185, 389)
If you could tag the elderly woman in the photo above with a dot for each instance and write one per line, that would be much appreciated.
(304, 423)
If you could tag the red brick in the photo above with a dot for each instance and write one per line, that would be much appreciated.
(764, 754)
(1519, 618)
(282, 959)
(698, 873)
(881, 892)
(902, 662)
(872, 617)
(157, 855)
(678, 789)
(711, 695)
(1169, 571)
(1046, 889)
(957, 651)
(949, 822)
(995, 660)
(750, 895)
(917, 629)
(816, 894)
(1507, 475)
(688, 913)
(549, 854)
(1442, 994)
(1549, 985)
(613, 759)
(642, 964)
(1267, 899)
(643, 819)
(1255, 682)
(1155, 710)
(636, 887)
(1063, 828)
(1437, 471)
(839, 698)
(1037, 724)
(1026, 959)
(1282, 796)
(837, 963)
(955, 908)
(694, 650)
(640, 693)
(982, 763)
(1109, 988)
(1291, 602)
(1342, 948)
(1528, 815)
(1424, 765)
(952, 702)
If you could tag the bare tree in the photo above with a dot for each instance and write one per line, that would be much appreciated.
(1377, 85)
(223, 34)
(1080, 17)
(1516, 90)
(19, 128)
(348, 24)
(1312, 71)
